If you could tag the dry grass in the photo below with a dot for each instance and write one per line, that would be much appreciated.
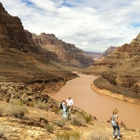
(2, 132)
(49, 128)
(78, 120)
(41, 105)
(72, 135)
(61, 122)
(5, 131)
(88, 118)
(17, 111)
(13, 110)
(97, 135)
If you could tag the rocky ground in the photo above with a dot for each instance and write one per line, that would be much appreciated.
(31, 127)
(27, 118)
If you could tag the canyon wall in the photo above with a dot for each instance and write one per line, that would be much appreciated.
(66, 52)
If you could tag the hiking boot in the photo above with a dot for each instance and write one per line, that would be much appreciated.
(118, 138)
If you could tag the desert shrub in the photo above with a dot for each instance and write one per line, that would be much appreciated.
(97, 135)
(78, 120)
(41, 105)
(16, 102)
(49, 128)
(17, 111)
(60, 122)
(55, 109)
(88, 118)
(72, 135)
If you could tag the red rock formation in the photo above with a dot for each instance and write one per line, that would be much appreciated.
(11, 28)
(66, 52)
(121, 68)
(12, 35)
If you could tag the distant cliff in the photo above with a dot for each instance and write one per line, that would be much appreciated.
(65, 52)
(108, 51)
(94, 55)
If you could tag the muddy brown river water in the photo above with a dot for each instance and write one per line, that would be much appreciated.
(97, 104)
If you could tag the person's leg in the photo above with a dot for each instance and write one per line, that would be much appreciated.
(69, 113)
(118, 128)
(72, 108)
(64, 112)
(114, 131)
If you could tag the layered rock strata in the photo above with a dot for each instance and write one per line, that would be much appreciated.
(66, 52)
(121, 68)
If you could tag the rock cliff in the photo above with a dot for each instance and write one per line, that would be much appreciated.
(11, 30)
(108, 51)
(121, 68)
(21, 60)
(68, 53)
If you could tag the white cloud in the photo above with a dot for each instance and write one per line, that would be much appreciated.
(91, 25)
(84, 43)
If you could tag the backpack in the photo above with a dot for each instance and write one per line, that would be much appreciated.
(61, 106)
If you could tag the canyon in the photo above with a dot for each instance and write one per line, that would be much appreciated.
(32, 67)
(119, 71)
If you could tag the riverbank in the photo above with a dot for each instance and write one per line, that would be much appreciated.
(115, 95)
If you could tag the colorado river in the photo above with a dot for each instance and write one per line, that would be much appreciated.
(97, 104)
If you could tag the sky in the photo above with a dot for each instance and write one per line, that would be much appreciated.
(91, 25)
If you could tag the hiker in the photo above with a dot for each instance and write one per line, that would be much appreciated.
(69, 102)
(115, 123)
(64, 106)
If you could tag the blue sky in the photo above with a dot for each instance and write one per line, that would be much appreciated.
(90, 25)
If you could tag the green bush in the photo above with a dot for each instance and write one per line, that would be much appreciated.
(72, 135)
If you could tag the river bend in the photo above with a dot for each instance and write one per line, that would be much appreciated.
(97, 104)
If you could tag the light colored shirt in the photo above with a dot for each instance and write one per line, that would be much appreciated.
(69, 102)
